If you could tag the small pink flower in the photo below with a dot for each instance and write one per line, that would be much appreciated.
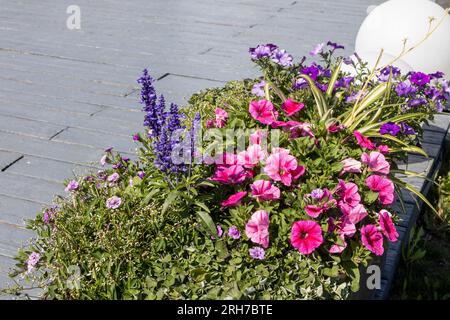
(281, 166)
(290, 107)
(263, 111)
(348, 193)
(339, 247)
(333, 128)
(234, 200)
(384, 149)
(221, 117)
(209, 123)
(363, 141)
(252, 157)
(387, 225)
(258, 136)
(257, 228)
(350, 165)
(306, 236)
(324, 201)
(313, 211)
(372, 239)
(376, 162)
(383, 186)
(233, 174)
(354, 214)
(264, 190)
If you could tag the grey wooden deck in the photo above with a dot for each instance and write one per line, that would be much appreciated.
(65, 95)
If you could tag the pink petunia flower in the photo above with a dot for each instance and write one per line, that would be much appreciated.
(354, 214)
(376, 162)
(338, 247)
(333, 128)
(363, 141)
(372, 239)
(221, 117)
(257, 228)
(258, 137)
(234, 199)
(290, 107)
(383, 186)
(384, 149)
(263, 111)
(301, 130)
(306, 236)
(252, 157)
(281, 166)
(350, 165)
(387, 225)
(348, 194)
(264, 190)
(323, 201)
(233, 174)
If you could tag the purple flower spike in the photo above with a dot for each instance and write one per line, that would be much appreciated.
(390, 128)
(257, 253)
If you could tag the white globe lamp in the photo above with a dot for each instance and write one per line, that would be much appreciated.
(388, 24)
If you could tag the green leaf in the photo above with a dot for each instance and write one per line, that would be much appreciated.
(208, 222)
(333, 78)
(149, 196)
(411, 189)
(170, 198)
(318, 96)
(222, 250)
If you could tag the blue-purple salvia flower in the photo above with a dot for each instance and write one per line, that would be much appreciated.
(258, 89)
(234, 233)
(154, 110)
(33, 260)
(390, 128)
(257, 253)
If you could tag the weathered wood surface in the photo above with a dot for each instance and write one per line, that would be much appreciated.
(65, 95)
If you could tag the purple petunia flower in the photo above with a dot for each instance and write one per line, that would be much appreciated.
(334, 45)
(386, 72)
(311, 71)
(113, 203)
(344, 82)
(417, 102)
(406, 129)
(317, 49)
(317, 194)
(300, 84)
(104, 160)
(113, 177)
(282, 58)
(71, 186)
(219, 231)
(258, 89)
(141, 174)
(33, 260)
(136, 137)
(405, 89)
(437, 75)
(390, 128)
(257, 253)
(262, 51)
(234, 232)
(419, 78)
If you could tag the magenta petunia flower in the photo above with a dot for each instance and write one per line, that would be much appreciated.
(221, 117)
(233, 174)
(234, 200)
(363, 141)
(338, 247)
(306, 236)
(257, 228)
(257, 253)
(383, 186)
(71, 186)
(113, 203)
(348, 194)
(290, 107)
(350, 165)
(258, 137)
(387, 225)
(323, 200)
(251, 157)
(384, 149)
(264, 190)
(376, 162)
(263, 111)
(281, 166)
(372, 239)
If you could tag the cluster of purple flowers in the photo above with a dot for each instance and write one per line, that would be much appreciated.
(393, 129)
(271, 51)
(164, 126)
(389, 71)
